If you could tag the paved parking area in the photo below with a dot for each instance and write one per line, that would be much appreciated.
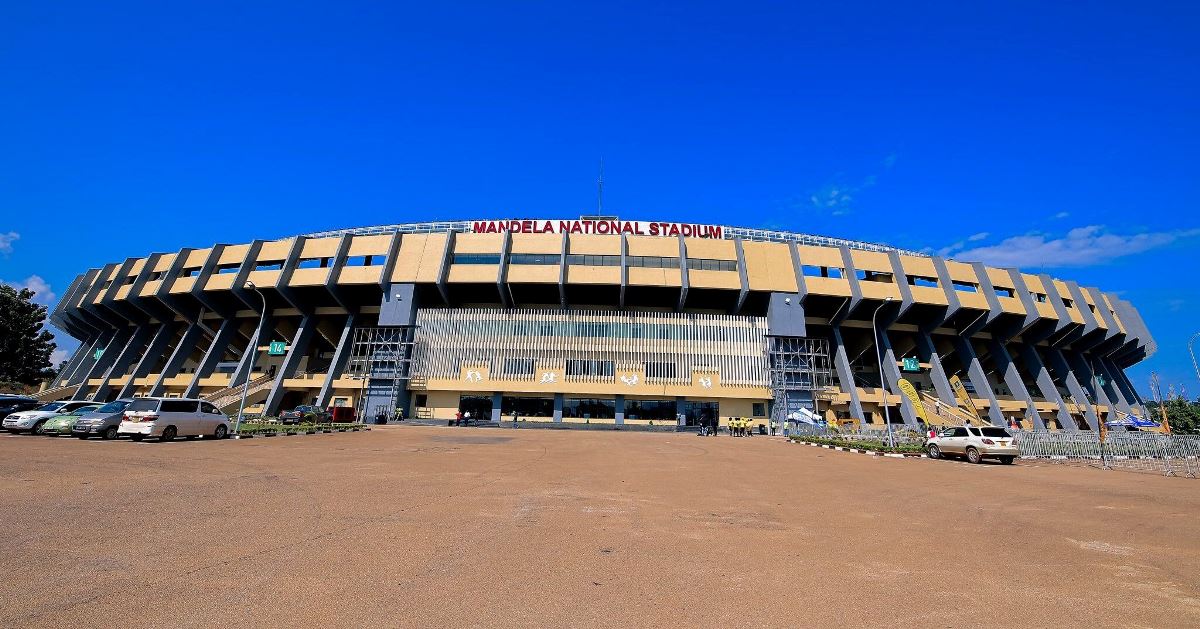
(410, 526)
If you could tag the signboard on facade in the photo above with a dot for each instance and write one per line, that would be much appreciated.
(277, 348)
(597, 226)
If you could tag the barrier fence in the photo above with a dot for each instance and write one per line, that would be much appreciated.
(1171, 455)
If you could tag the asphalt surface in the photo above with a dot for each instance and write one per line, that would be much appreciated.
(471, 527)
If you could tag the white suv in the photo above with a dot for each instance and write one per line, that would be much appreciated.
(33, 420)
(975, 443)
(167, 418)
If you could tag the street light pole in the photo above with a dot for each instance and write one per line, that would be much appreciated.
(887, 416)
(1192, 351)
(253, 349)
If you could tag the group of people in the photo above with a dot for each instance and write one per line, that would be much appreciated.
(738, 427)
(462, 419)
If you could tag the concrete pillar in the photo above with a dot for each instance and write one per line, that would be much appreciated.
(558, 408)
(497, 400)
(150, 357)
(941, 383)
(1113, 388)
(131, 350)
(112, 350)
(182, 350)
(74, 361)
(620, 414)
(841, 362)
(340, 355)
(1012, 379)
(89, 358)
(297, 351)
(1077, 390)
(216, 349)
(1046, 385)
(892, 375)
(1081, 367)
(260, 336)
(978, 378)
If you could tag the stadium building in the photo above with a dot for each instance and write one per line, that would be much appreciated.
(601, 320)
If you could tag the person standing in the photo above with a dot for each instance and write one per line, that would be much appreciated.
(467, 418)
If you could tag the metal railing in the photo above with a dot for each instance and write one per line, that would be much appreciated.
(1171, 455)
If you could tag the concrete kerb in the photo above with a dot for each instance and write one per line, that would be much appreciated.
(890, 455)
(289, 433)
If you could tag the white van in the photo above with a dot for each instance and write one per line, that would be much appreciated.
(167, 418)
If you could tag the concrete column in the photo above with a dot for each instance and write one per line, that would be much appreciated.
(1013, 380)
(216, 349)
(340, 355)
(73, 362)
(978, 378)
(150, 357)
(941, 383)
(1112, 388)
(680, 410)
(182, 350)
(112, 350)
(297, 351)
(1126, 386)
(1046, 385)
(892, 374)
(1081, 367)
(242, 373)
(89, 358)
(1077, 391)
(558, 408)
(135, 345)
(620, 414)
(841, 362)
(497, 399)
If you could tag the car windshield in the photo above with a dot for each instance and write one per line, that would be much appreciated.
(83, 409)
(143, 405)
(999, 433)
(112, 407)
(53, 406)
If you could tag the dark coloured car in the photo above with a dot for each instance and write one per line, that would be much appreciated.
(102, 422)
(10, 404)
(305, 413)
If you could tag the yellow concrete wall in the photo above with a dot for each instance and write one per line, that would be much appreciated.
(535, 243)
(769, 266)
(653, 246)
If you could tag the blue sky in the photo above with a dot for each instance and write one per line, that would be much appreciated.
(1067, 134)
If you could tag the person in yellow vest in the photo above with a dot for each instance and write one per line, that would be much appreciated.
(741, 427)
(774, 426)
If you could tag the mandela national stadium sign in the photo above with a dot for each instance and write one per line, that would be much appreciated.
(597, 226)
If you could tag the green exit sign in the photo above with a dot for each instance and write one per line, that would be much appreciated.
(912, 365)
(277, 348)
(99, 352)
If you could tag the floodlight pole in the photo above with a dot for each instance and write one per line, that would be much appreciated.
(1192, 351)
(253, 349)
(887, 416)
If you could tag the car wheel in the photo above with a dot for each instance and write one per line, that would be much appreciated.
(1006, 460)
(168, 434)
(973, 456)
(37, 428)
(137, 437)
(220, 432)
(934, 451)
(110, 432)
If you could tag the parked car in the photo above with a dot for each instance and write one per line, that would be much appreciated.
(975, 443)
(167, 418)
(10, 404)
(62, 424)
(305, 413)
(102, 421)
(33, 420)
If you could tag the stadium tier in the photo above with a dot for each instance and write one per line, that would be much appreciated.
(600, 320)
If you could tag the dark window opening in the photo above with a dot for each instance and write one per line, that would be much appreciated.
(594, 260)
(475, 258)
(589, 408)
(705, 264)
(535, 258)
(589, 368)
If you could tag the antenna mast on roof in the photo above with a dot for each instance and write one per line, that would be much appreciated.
(600, 190)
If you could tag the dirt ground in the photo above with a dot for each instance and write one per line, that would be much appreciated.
(471, 527)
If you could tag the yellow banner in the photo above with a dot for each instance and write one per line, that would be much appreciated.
(960, 394)
(910, 392)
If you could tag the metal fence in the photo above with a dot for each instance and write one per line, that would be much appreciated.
(1171, 455)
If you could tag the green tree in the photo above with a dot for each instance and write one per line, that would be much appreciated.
(25, 345)
(1184, 416)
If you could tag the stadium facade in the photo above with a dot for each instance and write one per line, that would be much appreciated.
(601, 320)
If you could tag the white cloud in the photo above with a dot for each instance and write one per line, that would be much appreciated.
(1061, 215)
(6, 241)
(1082, 246)
(890, 160)
(42, 292)
(978, 237)
(57, 356)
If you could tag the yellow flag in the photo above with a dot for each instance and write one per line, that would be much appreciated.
(910, 392)
(960, 394)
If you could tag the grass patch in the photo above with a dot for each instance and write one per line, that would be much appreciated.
(868, 444)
